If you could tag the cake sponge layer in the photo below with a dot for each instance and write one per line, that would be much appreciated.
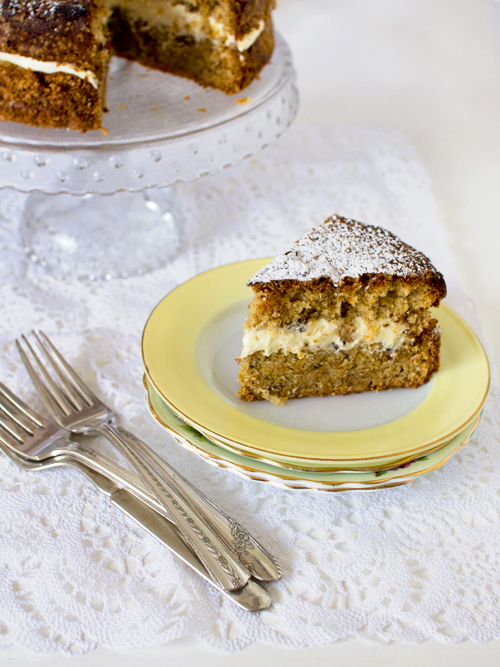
(325, 371)
(50, 100)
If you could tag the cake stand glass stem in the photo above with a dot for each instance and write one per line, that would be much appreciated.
(102, 237)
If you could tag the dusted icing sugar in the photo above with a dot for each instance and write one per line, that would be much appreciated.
(342, 248)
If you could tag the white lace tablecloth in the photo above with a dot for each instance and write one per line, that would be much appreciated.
(409, 563)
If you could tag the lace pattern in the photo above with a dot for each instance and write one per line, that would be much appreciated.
(410, 563)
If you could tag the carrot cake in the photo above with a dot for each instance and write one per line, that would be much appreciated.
(346, 309)
(54, 53)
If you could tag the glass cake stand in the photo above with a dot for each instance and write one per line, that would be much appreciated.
(160, 130)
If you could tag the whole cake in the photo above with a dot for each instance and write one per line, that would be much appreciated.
(345, 310)
(54, 53)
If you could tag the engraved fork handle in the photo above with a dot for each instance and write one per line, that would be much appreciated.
(252, 555)
(205, 542)
(249, 552)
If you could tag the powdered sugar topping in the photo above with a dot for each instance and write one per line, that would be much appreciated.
(342, 248)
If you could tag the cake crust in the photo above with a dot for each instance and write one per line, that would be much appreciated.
(342, 250)
(45, 30)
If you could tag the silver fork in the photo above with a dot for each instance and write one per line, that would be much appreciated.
(23, 431)
(29, 436)
(216, 538)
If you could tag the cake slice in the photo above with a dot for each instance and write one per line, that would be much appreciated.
(218, 43)
(53, 61)
(345, 310)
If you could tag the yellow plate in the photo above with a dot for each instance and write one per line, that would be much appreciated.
(287, 465)
(196, 442)
(188, 351)
(368, 465)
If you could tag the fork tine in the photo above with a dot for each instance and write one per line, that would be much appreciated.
(14, 414)
(10, 426)
(7, 440)
(52, 397)
(15, 401)
(65, 386)
(53, 354)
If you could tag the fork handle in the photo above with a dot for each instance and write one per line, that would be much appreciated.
(203, 539)
(250, 553)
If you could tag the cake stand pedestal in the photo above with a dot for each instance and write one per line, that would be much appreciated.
(160, 130)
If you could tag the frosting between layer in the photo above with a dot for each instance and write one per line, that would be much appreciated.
(190, 19)
(49, 67)
(321, 333)
(242, 44)
(250, 38)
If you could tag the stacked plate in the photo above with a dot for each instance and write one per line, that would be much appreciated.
(337, 443)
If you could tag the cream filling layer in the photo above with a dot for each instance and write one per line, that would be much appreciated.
(49, 67)
(250, 38)
(245, 42)
(321, 333)
(179, 18)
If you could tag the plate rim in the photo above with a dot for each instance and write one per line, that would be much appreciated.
(283, 481)
(385, 462)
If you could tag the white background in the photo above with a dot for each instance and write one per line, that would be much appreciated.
(431, 69)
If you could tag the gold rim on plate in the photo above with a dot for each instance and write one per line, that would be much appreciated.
(209, 451)
(288, 464)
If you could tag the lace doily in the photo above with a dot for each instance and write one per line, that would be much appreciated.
(410, 563)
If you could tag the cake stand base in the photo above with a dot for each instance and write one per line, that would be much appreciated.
(97, 237)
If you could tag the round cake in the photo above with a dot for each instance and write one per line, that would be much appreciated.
(54, 53)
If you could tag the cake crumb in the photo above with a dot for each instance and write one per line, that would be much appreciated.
(244, 100)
